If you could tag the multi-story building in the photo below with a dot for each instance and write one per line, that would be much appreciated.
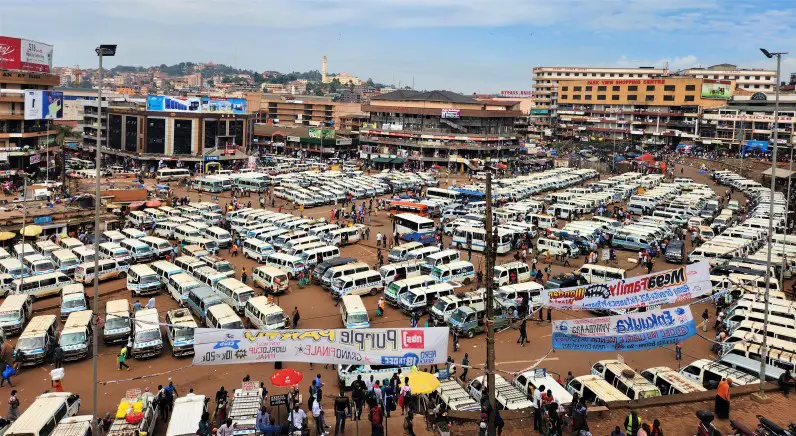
(747, 80)
(653, 111)
(20, 139)
(304, 141)
(547, 81)
(748, 118)
(438, 127)
(303, 110)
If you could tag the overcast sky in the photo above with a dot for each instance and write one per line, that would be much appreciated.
(466, 46)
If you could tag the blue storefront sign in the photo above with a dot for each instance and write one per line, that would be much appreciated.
(42, 219)
(212, 158)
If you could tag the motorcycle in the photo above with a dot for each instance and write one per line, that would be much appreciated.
(768, 427)
(705, 426)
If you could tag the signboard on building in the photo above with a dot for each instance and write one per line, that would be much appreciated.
(540, 111)
(35, 158)
(749, 117)
(321, 133)
(759, 96)
(515, 93)
(26, 55)
(223, 105)
(44, 105)
(163, 103)
(450, 113)
(717, 89)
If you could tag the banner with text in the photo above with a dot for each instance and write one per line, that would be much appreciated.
(397, 346)
(665, 287)
(629, 332)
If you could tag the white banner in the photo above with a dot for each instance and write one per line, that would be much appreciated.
(395, 347)
(665, 287)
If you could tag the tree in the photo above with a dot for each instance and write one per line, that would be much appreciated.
(86, 84)
(318, 91)
(370, 82)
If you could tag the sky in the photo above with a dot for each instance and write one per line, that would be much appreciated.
(481, 46)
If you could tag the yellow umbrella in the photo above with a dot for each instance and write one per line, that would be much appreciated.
(422, 382)
(31, 231)
(5, 236)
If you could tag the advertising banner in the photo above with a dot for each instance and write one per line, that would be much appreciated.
(628, 332)
(395, 346)
(665, 287)
(321, 133)
(450, 113)
(44, 105)
(26, 55)
(719, 89)
(163, 103)
(223, 105)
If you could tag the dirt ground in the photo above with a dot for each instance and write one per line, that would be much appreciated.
(318, 311)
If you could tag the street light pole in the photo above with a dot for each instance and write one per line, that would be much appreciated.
(764, 345)
(102, 50)
(489, 253)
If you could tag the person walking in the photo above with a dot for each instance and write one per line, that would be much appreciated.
(204, 425)
(226, 428)
(523, 333)
(243, 277)
(633, 423)
(123, 358)
(58, 356)
(656, 429)
(317, 415)
(465, 367)
(376, 418)
(722, 406)
(13, 406)
(380, 307)
(408, 425)
(342, 410)
(358, 389)
(296, 317)
(705, 318)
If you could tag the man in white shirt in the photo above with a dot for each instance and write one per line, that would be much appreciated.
(537, 408)
(297, 417)
(226, 428)
(378, 239)
(317, 414)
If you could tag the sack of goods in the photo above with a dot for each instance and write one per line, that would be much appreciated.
(57, 374)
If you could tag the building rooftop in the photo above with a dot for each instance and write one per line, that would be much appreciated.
(438, 96)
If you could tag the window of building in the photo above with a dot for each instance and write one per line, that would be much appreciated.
(600, 97)
(602, 74)
(615, 97)
(668, 88)
(115, 131)
(131, 134)
(668, 98)
(746, 77)
(564, 97)
(632, 98)
(615, 88)
(612, 74)
(577, 88)
(576, 97)
(602, 88)
(588, 96)
(183, 132)
(236, 130)
(588, 88)
(621, 75)
(632, 88)
(565, 88)
(156, 136)
(689, 98)
(650, 87)
(649, 98)
(566, 74)
(757, 86)
(690, 87)
(757, 77)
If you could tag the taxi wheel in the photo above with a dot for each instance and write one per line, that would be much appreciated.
(470, 334)
(123, 275)
(373, 292)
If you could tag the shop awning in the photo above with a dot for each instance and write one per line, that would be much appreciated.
(398, 160)
(781, 173)
(381, 160)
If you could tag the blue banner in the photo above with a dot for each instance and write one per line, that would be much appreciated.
(628, 332)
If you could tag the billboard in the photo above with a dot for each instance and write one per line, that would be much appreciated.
(450, 113)
(321, 133)
(223, 105)
(664, 287)
(390, 346)
(26, 55)
(44, 105)
(718, 89)
(163, 103)
(627, 332)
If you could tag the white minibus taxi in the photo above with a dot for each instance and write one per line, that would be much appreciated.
(263, 314)
(143, 280)
(353, 312)
(117, 322)
(368, 282)
(221, 316)
(42, 285)
(234, 292)
(272, 280)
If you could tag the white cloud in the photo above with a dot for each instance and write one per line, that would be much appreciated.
(674, 64)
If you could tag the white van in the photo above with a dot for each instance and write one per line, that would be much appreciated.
(393, 292)
(160, 247)
(117, 322)
(624, 378)
(257, 250)
(595, 390)
(335, 272)
(184, 233)
(147, 340)
(512, 273)
(710, 373)
(348, 374)
(42, 285)
(189, 264)
(73, 299)
(353, 312)
(77, 335)
(37, 341)
(557, 246)
(234, 292)
(439, 258)
(112, 250)
(343, 236)
(459, 271)
(15, 311)
(421, 253)
(165, 269)
(180, 327)
(70, 243)
(400, 270)
(272, 280)
(221, 316)
(671, 382)
(43, 416)
(133, 233)
(262, 314)
(528, 382)
(317, 255)
(38, 264)
(179, 285)
(108, 269)
(13, 267)
(186, 414)
(594, 273)
(143, 280)
(46, 247)
(398, 252)
(421, 299)
(84, 254)
(140, 251)
(65, 260)
(368, 282)
(292, 265)
(114, 236)
(222, 237)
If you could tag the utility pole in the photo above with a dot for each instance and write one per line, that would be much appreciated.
(489, 322)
